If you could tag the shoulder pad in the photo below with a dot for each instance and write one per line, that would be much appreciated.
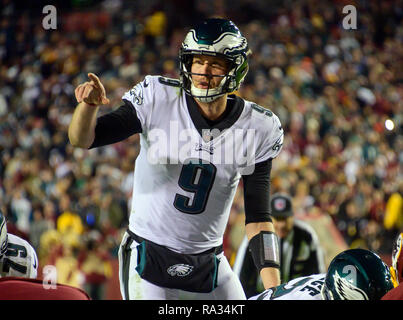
(169, 81)
(261, 110)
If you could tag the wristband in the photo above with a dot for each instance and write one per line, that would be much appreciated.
(264, 248)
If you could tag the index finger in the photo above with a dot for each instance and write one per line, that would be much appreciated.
(96, 80)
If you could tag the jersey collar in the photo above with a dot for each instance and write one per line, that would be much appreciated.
(235, 107)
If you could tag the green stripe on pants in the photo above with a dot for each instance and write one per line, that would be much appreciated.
(126, 254)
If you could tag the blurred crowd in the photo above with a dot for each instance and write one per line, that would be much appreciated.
(338, 94)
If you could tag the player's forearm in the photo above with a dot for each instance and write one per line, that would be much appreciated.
(270, 275)
(253, 228)
(82, 126)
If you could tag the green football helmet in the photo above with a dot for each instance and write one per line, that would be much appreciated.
(3, 234)
(215, 37)
(356, 274)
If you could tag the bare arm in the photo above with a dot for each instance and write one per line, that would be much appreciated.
(270, 276)
(89, 95)
(82, 125)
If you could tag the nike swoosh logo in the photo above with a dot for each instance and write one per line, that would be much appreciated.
(145, 84)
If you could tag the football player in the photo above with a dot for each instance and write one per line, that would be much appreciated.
(197, 141)
(397, 260)
(354, 274)
(396, 271)
(17, 257)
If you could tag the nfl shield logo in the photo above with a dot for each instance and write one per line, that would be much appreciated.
(279, 204)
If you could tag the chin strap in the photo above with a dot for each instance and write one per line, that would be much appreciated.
(207, 95)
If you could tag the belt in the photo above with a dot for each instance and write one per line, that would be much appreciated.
(216, 250)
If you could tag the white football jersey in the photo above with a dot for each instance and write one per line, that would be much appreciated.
(303, 288)
(184, 181)
(20, 259)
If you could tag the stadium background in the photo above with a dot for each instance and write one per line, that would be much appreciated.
(338, 94)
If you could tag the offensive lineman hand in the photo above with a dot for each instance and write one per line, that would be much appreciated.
(92, 92)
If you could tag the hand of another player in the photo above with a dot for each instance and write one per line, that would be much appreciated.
(92, 92)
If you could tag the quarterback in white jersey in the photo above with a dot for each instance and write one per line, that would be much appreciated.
(354, 274)
(207, 183)
(197, 142)
(17, 257)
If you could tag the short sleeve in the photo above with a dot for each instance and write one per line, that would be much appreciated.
(141, 98)
(271, 139)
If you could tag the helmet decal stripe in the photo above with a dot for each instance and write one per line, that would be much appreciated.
(348, 291)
